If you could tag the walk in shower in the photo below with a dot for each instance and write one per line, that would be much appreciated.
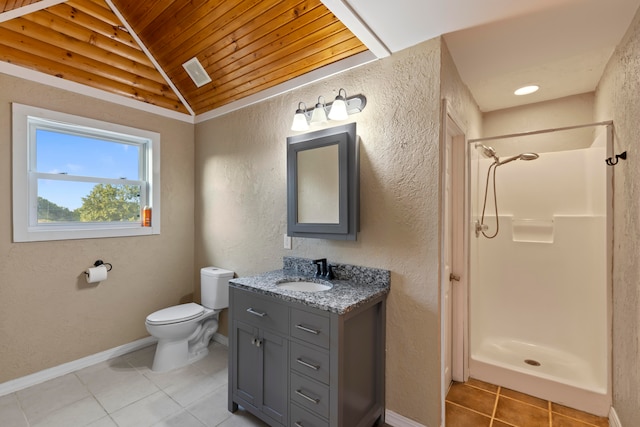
(539, 264)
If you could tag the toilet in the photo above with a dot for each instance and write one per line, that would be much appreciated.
(184, 331)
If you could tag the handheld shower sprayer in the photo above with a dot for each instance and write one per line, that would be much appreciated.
(522, 156)
(490, 152)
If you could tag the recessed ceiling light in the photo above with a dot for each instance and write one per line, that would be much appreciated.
(526, 90)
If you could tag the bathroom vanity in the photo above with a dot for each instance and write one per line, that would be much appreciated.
(309, 359)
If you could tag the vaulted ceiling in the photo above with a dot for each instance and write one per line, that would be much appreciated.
(136, 49)
(253, 49)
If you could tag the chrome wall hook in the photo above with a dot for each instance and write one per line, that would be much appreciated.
(611, 161)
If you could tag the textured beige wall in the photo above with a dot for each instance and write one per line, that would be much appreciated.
(618, 99)
(48, 313)
(241, 204)
(568, 111)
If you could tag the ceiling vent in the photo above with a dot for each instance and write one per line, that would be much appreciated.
(196, 72)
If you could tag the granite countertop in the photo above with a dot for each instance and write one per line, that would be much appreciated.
(344, 296)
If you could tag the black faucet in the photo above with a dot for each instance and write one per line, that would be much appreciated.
(323, 269)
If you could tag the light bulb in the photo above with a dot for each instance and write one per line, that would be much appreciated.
(339, 107)
(300, 120)
(319, 115)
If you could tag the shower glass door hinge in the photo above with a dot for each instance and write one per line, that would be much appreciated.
(454, 277)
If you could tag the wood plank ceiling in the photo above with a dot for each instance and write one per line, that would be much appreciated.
(246, 46)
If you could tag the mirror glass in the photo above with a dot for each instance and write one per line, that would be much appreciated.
(318, 185)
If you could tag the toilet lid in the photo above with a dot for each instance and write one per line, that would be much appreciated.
(175, 314)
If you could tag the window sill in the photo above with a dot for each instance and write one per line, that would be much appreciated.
(38, 234)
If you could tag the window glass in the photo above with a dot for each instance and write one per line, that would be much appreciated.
(64, 153)
(69, 201)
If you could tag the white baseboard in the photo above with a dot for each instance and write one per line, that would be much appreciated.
(397, 420)
(66, 368)
(219, 338)
(614, 421)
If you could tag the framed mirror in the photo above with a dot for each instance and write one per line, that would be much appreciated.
(323, 199)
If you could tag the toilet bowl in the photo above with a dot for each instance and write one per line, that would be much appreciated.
(184, 331)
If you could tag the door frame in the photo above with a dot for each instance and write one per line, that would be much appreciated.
(460, 217)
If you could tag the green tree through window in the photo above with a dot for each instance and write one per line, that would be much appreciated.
(108, 202)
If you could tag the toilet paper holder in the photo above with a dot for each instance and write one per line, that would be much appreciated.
(99, 262)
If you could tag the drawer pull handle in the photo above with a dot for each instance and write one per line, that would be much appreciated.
(311, 331)
(255, 313)
(307, 364)
(299, 424)
(309, 398)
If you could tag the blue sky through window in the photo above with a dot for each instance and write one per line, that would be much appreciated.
(61, 153)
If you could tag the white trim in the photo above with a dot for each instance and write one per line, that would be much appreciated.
(357, 26)
(80, 89)
(30, 8)
(66, 368)
(303, 80)
(397, 420)
(614, 421)
(221, 339)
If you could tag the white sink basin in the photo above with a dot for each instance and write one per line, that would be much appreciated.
(304, 286)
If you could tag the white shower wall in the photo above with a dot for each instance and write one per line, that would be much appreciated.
(541, 283)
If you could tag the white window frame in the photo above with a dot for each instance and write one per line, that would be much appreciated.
(25, 197)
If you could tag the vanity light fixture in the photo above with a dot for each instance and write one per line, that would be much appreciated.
(340, 109)
(300, 118)
(526, 90)
(319, 115)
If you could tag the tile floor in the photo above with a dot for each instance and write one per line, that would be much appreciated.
(124, 392)
(478, 404)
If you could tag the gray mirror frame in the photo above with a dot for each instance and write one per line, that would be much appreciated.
(349, 169)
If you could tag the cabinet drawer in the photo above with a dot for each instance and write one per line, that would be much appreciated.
(310, 394)
(260, 311)
(310, 327)
(311, 362)
(302, 418)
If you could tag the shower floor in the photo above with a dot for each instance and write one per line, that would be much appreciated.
(541, 361)
(480, 404)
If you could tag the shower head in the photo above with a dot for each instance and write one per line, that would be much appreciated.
(522, 156)
(488, 152)
(529, 156)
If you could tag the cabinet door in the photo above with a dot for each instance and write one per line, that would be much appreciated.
(275, 352)
(247, 375)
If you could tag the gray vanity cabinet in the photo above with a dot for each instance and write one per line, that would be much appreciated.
(331, 373)
(260, 359)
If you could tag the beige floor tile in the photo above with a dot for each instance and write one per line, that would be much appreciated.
(10, 412)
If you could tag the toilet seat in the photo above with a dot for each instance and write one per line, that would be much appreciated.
(176, 314)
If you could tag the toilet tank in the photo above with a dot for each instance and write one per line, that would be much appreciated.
(214, 287)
